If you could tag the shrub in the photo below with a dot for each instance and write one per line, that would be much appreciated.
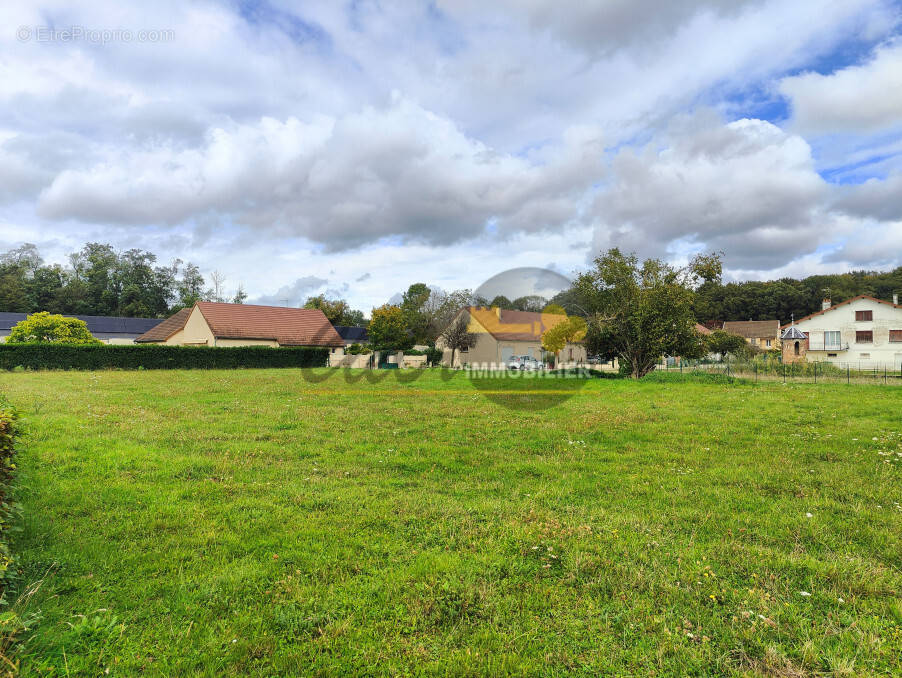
(132, 357)
(358, 349)
(697, 376)
(8, 508)
(44, 328)
(434, 355)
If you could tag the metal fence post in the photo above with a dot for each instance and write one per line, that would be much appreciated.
(848, 373)
(815, 373)
(784, 373)
(884, 374)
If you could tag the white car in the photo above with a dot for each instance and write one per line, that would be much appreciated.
(525, 362)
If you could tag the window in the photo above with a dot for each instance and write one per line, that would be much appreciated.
(832, 339)
(895, 335)
(753, 341)
(864, 315)
(831, 355)
(864, 355)
(864, 337)
(767, 343)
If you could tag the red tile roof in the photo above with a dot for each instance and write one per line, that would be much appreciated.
(288, 326)
(701, 329)
(507, 325)
(165, 329)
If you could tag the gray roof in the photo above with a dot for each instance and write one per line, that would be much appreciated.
(97, 324)
(353, 334)
(793, 332)
(753, 329)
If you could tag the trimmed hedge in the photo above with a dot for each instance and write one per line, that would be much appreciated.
(8, 508)
(136, 356)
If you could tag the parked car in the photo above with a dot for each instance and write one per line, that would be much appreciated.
(525, 362)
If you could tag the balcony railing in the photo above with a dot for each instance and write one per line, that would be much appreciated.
(827, 346)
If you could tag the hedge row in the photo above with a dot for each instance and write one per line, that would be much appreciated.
(8, 508)
(136, 356)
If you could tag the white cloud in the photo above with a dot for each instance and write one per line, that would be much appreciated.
(402, 171)
(294, 294)
(267, 140)
(746, 188)
(869, 245)
(864, 98)
(876, 198)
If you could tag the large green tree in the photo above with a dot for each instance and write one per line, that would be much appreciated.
(416, 309)
(641, 312)
(388, 329)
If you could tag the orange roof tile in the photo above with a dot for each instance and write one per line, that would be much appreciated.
(165, 329)
(288, 326)
(506, 325)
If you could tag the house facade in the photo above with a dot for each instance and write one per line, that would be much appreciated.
(862, 330)
(760, 334)
(108, 329)
(502, 334)
(217, 324)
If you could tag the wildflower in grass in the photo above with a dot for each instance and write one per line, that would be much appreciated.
(808, 515)
(804, 594)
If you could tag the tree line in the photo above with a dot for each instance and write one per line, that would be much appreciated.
(787, 297)
(101, 281)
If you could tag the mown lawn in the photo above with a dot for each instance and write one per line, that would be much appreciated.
(251, 522)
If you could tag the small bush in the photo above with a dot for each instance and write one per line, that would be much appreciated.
(8, 509)
(697, 376)
(586, 373)
(358, 349)
(134, 357)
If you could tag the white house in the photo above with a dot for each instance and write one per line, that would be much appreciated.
(862, 330)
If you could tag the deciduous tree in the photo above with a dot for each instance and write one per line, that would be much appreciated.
(387, 330)
(555, 338)
(457, 335)
(643, 312)
(726, 343)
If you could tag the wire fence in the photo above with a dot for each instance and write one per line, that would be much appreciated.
(802, 372)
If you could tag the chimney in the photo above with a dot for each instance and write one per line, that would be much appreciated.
(896, 299)
(825, 304)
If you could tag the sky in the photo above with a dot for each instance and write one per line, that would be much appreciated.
(353, 148)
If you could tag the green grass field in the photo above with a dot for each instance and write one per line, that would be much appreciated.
(250, 522)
